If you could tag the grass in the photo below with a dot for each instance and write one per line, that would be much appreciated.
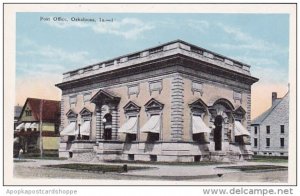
(256, 167)
(46, 158)
(96, 167)
(18, 161)
(202, 163)
(272, 159)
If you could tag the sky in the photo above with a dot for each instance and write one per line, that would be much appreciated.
(45, 49)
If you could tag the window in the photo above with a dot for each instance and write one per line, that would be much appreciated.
(281, 154)
(153, 157)
(28, 112)
(130, 157)
(255, 142)
(154, 124)
(255, 130)
(268, 142)
(281, 128)
(281, 142)
(197, 158)
(130, 127)
(268, 129)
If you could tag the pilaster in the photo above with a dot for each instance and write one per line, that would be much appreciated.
(177, 108)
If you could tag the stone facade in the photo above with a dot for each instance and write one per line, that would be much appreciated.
(270, 130)
(174, 83)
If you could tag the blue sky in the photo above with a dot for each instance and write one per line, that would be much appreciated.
(46, 49)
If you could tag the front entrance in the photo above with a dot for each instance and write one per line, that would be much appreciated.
(218, 133)
(107, 127)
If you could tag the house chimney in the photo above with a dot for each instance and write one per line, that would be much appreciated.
(274, 97)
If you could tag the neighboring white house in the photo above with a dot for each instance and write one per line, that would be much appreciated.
(270, 130)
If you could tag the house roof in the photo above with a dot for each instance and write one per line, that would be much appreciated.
(50, 108)
(258, 120)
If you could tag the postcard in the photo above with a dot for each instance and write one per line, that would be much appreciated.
(149, 94)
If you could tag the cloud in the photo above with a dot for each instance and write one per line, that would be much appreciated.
(257, 61)
(42, 59)
(200, 25)
(55, 53)
(246, 41)
(129, 28)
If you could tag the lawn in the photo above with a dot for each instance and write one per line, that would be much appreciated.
(46, 158)
(272, 159)
(96, 167)
(256, 167)
(200, 163)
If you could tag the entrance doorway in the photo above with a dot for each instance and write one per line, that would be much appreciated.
(218, 133)
(107, 127)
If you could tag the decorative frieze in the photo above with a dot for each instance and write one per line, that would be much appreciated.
(73, 101)
(155, 86)
(86, 97)
(197, 87)
(133, 90)
(237, 96)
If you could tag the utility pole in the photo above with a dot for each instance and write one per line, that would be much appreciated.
(41, 123)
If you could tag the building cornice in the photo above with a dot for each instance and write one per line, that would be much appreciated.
(155, 53)
(174, 63)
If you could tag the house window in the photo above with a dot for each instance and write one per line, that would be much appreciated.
(86, 97)
(28, 112)
(255, 142)
(281, 128)
(268, 142)
(268, 129)
(281, 142)
(255, 130)
(281, 154)
(73, 100)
